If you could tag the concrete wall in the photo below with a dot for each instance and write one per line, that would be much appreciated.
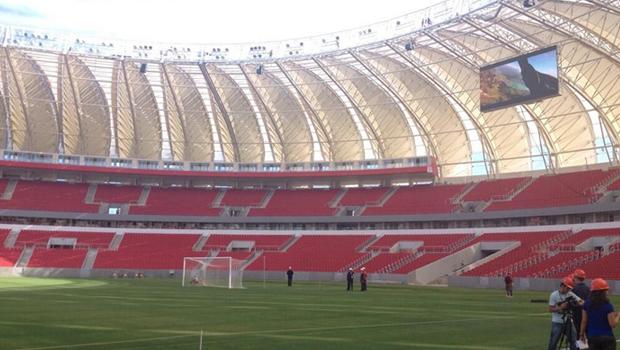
(446, 265)
(538, 284)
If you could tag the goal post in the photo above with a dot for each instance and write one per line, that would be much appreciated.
(212, 272)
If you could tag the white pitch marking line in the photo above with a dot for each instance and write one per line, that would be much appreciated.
(311, 329)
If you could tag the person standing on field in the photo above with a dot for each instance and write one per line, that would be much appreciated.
(583, 292)
(350, 279)
(598, 318)
(508, 283)
(364, 279)
(289, 276)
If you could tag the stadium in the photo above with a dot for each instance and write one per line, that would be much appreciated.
(435, 153)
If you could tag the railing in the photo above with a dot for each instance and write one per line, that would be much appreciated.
(127, 163)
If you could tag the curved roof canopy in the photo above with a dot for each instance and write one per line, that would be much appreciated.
(412, 95)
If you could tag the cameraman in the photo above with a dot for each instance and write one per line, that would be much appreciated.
(559, 305)
(599, 318)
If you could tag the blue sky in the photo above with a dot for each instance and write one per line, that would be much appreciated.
(545, 63)
(185, 21)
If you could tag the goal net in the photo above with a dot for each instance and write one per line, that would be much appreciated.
(212, 272)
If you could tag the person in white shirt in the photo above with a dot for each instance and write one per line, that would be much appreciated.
(559, 307)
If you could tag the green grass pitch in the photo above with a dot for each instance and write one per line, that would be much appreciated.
(45, 314)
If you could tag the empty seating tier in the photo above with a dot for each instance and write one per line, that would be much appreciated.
(555, 191)
(298, 203)
(57, 258)
(418, 200)
(263, 242)
(49, 196)
(363, 196)
(149, 251)
(314, 253)
(527, 250)
(83, 239)
(117, 194)
(495, 189)
(243, 198)
(178, 201)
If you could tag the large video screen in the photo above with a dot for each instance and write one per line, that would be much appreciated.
(522, 79)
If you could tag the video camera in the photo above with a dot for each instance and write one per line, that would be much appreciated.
(571, 301)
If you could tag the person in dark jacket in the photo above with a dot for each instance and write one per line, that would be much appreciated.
(364, 279)
(599, 318)
(582, 292)
(508, 283)
(289, 276)
(350, 279)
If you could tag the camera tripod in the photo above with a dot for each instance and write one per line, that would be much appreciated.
(568, 329)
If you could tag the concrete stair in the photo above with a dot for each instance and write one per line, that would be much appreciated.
(89, 260)
(253, 257)
(334, 202)
(116, 240)
(24, 258)
(90, 195)
(458, 199)
(290, 242)
(520, 188)
(359, 262)
(11, 238)
(144, 196)
(217, 201)
(200, 243)
(9, 190)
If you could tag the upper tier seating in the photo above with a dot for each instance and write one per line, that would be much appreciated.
(362, 196)
(117, 194)
(298, 203)
(614, 186)
(493, 189)
(546, 191)
(418, 200)
(84, 239)
(243, 198)
(49, 196)
(178, 201)
(314, 253)
(555, 191)
(3, 185)
(149, 251)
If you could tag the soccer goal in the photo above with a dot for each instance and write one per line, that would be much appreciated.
(212, 272)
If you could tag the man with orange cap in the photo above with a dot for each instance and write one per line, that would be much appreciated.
(583, 292)
(559, 302)
(364, 279)
(599, 318)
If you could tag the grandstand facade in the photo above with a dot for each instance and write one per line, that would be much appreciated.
(361, 148)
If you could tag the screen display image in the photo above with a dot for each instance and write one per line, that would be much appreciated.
(518, 80)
